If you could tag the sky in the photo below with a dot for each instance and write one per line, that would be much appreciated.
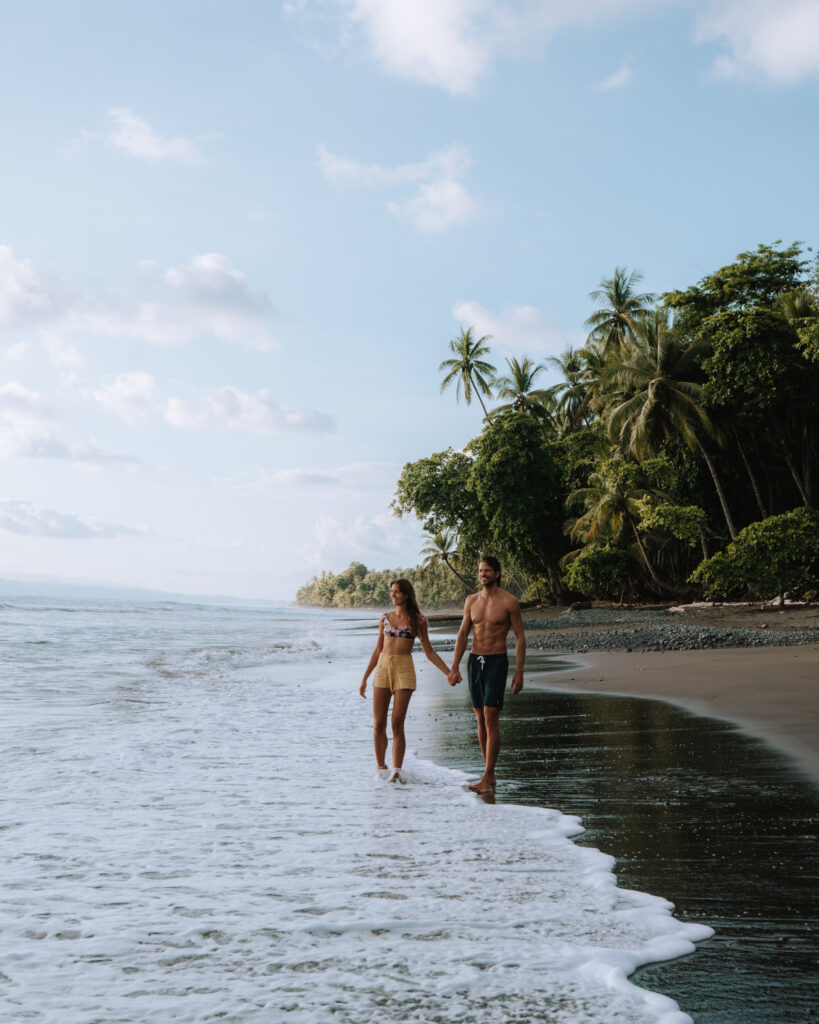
(236, 240)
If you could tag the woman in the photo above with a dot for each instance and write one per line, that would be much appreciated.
(395, 672)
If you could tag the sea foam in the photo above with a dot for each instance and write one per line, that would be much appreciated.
(208, 842)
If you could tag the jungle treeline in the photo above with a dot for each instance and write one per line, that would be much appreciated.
(675, 458)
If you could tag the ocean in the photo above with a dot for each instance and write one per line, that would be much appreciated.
(192, 830)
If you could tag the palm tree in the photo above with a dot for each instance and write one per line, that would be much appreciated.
(612, 325)
(518, 386)
(441, 547)
(610, 503)
(658, 397)
(572, 388)
(468, 367)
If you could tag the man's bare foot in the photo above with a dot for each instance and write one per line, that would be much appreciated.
(484, 785)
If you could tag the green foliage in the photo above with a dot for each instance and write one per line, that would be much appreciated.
(682, 521)
(468, 368)
(671, 426)
(359, 587)
(598, 572)
(769, 557)
(753, 365)
(517, 485)
(754, 279)
(438, 491)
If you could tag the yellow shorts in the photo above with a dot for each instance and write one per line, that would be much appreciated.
(395, 672)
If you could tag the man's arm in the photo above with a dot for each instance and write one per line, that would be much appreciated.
(516, 620)
(460, 645)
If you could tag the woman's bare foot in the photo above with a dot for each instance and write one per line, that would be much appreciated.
(484, 785)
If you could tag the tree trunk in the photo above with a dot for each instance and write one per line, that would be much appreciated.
(652, 572)
(478, 396)
(754, 484)
(468, 585)
(703, 543)
(792, 467)
(807, 462)
(725, 510)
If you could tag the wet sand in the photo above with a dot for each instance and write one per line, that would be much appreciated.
(770, 692)
(701, 810)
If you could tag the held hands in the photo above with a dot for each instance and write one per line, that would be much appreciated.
(454, 676)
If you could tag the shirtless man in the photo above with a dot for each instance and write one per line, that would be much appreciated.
(491, 613)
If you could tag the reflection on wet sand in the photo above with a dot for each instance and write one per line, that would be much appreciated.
(693, 810)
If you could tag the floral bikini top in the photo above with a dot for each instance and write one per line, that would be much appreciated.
(402, 632)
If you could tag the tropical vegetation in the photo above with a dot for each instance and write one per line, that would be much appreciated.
(675, 458)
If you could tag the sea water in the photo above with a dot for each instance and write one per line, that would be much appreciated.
(192, 829)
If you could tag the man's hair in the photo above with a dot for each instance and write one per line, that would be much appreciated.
(493, 564)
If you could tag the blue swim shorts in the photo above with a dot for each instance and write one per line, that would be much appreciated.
(487, 679)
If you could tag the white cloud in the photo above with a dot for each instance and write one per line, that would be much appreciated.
(367, 538)
(204, 298)
(20, 405)
(133, 395)
(452, 162)
(234, 409)
(374, 478)
(29, 519)
(299, 477)
(438, 207)
(441, 201)
(132, 134)
(32, 442)
(518, 330)
(29, 297)
(775, 39)
(452, 44)
(207, 297)
(25, 434)
(620, 78)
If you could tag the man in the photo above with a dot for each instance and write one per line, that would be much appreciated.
(491, 614)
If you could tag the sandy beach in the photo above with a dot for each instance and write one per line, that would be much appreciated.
(715, 813)
(720, 660)
(770, 692)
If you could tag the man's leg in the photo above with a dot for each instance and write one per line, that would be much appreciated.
(489, 738)
(481, 732)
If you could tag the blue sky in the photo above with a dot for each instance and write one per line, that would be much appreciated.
(236, 239)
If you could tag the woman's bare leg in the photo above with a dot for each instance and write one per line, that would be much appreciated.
(381, 706)
(399, 713)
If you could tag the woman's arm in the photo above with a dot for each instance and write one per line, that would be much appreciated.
(379, 645)
(432, 655)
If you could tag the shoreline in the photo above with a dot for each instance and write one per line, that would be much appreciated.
(771, 693)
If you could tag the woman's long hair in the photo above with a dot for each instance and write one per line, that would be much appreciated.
(413, 611)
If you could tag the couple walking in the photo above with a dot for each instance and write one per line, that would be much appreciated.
(490, 615)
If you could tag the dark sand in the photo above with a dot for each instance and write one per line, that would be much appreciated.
(695, 809)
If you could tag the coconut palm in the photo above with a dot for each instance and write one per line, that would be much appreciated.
(440, 549)
(610, 506)
(468, 367)
(612, 325)
(572, 388)
(518, 386)
(658, 397)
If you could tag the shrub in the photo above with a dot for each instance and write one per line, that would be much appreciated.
(598, 571)
(770, 557)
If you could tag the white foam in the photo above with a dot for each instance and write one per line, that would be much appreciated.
(182, 845)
